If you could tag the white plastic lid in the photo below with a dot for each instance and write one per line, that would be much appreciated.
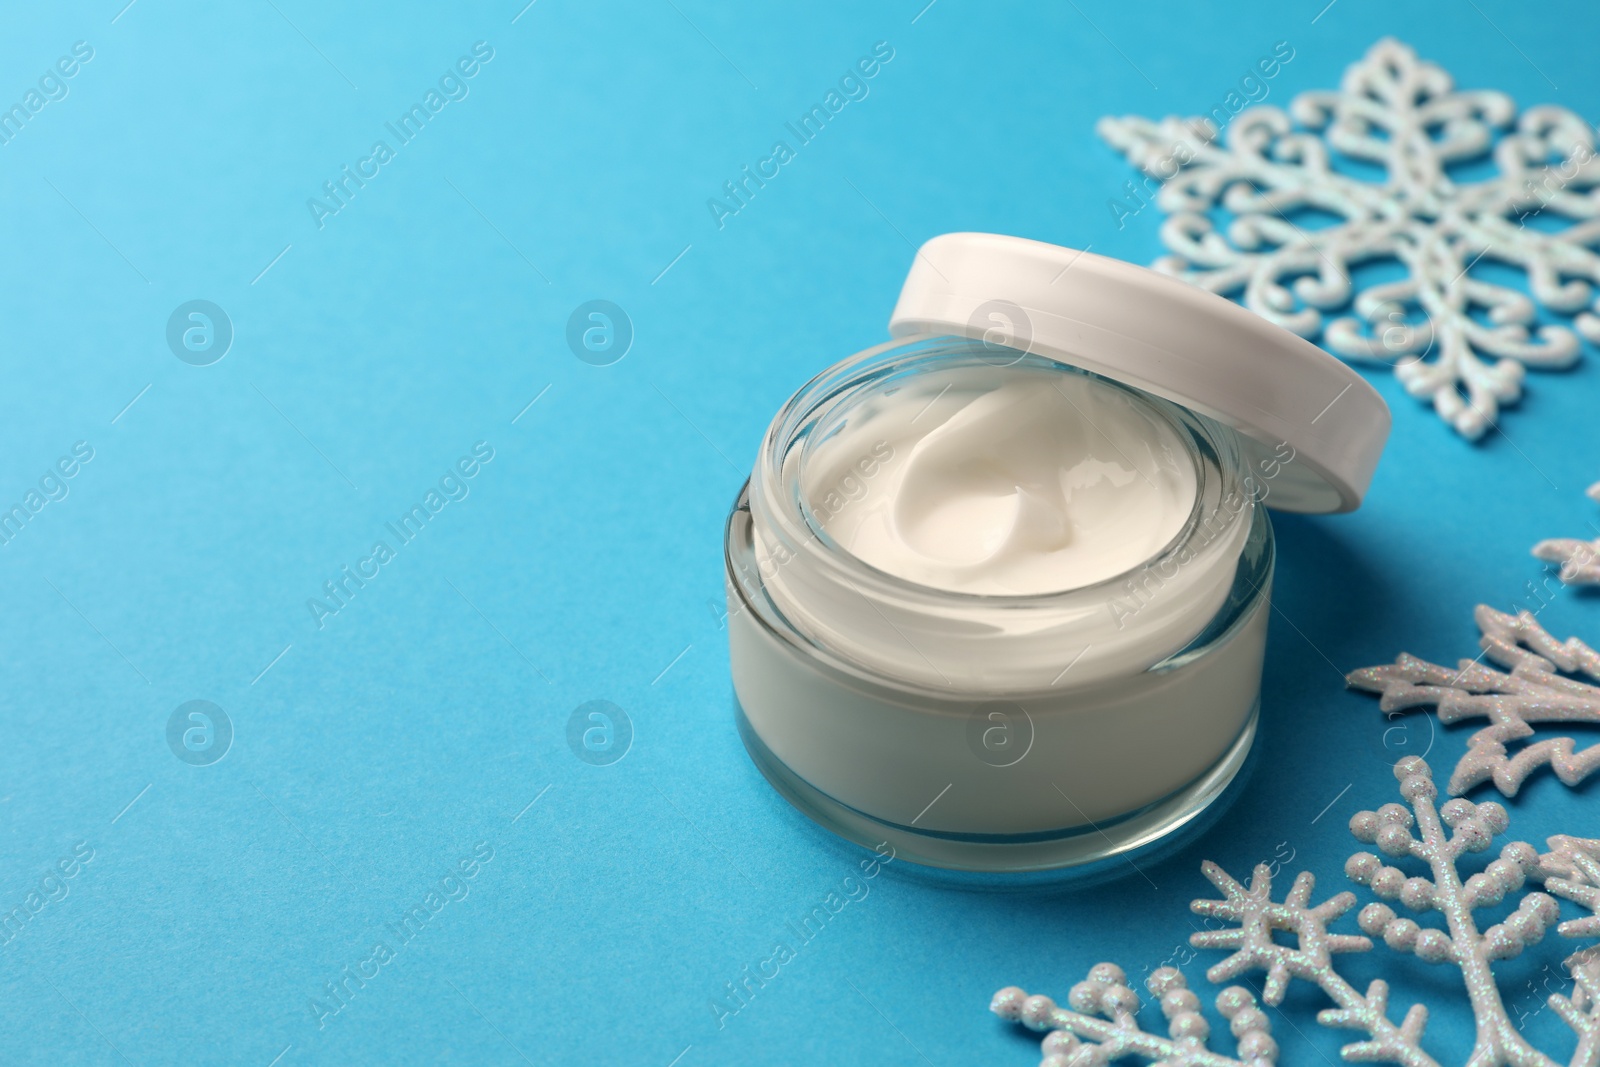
(1166, 337)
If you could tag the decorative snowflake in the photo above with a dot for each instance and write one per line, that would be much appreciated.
(1101, 1023)
(1406, 115)
(1580, 560)
(1532, 692)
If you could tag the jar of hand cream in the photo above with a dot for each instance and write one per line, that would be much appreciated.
(998, 589)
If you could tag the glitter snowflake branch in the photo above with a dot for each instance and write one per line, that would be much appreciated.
(1572, 870)
(1579, 559)
(1258, 916)
(1407, 116)
(1101, 1022)
(1442, 836)
(1529, 692)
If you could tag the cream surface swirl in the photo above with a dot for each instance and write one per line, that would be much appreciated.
(1001, 481)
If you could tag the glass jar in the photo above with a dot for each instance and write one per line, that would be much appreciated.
(993, 732)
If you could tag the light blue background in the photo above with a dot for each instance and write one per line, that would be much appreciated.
(376, 752)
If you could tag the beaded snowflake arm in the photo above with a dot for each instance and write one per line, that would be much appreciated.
(1311, 960)
(1528, 692)
(1101, 1024)
(1439, 836)
(1571, 869)
(1468, 352)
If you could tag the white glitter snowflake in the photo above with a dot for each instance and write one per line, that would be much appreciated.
(1453, 337)
(1101, 1023)
(1530, 691)
(1579, 559)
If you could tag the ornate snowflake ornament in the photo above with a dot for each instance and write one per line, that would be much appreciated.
(1101, 1020)
(1579, 560)
(1452, 336)
(1528, 692)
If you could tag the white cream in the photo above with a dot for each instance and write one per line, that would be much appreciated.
(1022, 509)
(1001, 481)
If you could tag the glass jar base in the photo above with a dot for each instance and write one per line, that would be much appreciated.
(1079, 847)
